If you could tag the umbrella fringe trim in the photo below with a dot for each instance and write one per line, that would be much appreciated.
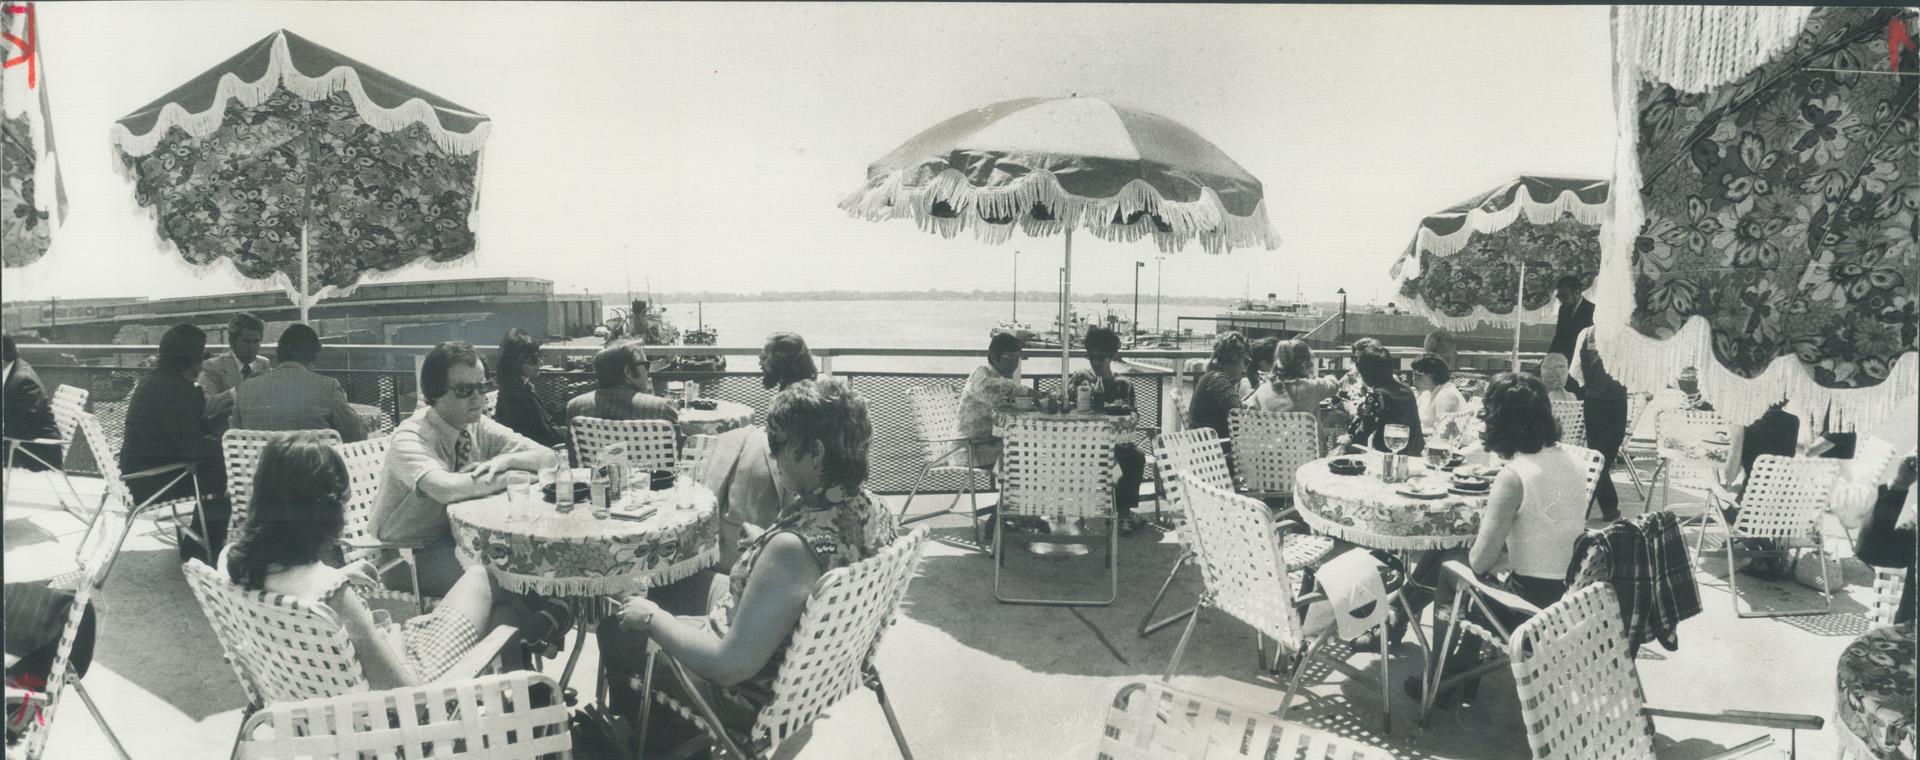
(281, 72)
(1205, 220)
(1646, 362)
(1477, 220)
(1696, 48)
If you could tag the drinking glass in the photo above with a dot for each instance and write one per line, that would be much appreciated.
(1396, 437)
(1438, 454)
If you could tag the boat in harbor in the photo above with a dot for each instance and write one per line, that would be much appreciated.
(1273, 318)
(647, 322)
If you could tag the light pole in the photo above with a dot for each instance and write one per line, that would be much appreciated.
(1134, 330)
(1343, 315)
(1157, 261)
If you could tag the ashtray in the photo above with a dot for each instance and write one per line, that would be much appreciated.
(1118, 411)
(580, 492)
(704, 404)
(662, 480)
(1347, 466)
(1471, 484)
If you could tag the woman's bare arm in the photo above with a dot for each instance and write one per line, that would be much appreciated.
(766, 612)
(1503, 506)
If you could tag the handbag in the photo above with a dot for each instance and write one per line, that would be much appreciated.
(1880, 544)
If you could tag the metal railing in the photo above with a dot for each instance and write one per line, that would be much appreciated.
(384, 377)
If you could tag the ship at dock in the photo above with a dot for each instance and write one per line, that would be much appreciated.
(647, 322)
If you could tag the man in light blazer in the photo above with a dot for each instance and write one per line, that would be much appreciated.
(293, 396)
(221, 374)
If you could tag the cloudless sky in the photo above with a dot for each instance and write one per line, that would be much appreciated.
(704, 147)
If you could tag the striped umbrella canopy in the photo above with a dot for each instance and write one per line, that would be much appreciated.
(1771, 236)
(305, 167)
(1462, 266)
(1051, 165)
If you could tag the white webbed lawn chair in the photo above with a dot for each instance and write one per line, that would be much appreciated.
(1473, 597)
(487, 717)
(1699, 476)
(97, 553)
(1269, 447)
(1061, 470)
(1580, 695)
(107, 458)
(944, 451)
(1784, 502)
(1154, 721)
(1198, 455)
(69, 402)
(1571, 416)
(284, 648)
(649, 443)
(829, 655)
(695, 450)
(366, 461)
(241, 449)
(1639, 447)
(1888, 586)
(1247, 577)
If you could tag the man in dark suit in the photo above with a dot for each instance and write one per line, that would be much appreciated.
(293, 396)
(167, 425)
(1576, 314)
(26, 413)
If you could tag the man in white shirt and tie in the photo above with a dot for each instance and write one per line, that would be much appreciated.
(221, 373)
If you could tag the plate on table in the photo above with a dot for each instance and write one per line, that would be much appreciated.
(1347, 466)
(1471, 483)
(1718, 438)
(1421, 490)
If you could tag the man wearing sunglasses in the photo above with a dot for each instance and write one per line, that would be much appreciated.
(1103, 348)
(448, 451)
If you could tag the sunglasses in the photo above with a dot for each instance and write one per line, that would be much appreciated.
(466, 390)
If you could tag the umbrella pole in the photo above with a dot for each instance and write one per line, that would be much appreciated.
(1519, 297)
(1066, 320)
(303, 300)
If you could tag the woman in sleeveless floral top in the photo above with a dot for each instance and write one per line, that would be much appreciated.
(818, 434)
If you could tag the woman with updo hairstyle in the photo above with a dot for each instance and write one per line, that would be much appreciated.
(1217, 392)
(784, 360)
(819, 434)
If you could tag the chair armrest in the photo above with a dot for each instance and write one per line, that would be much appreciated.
(27, 696)
(958, 439)
(1744, 718)
(368, 543)
(161, 470)
(482, 655)
(1488, 594)
(33, 441)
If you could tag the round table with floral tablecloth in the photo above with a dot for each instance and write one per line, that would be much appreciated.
(1873, 695)
(725, 416)
(1365, 510)
(536, 550)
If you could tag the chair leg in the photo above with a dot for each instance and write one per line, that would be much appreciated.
(1300, 670)
(1147, 624)
(718, 730)
(81, 689)
(893, 721)
(1386, 678)
(1180, 649)
(646, 702)
(926, 471)
(1733, 586)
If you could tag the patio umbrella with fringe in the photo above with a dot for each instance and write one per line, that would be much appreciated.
(1768, 227)
(1474, 261)
(33, 196)
(1053, 164)
(305, 167)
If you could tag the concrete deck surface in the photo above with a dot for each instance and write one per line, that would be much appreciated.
(971, 678)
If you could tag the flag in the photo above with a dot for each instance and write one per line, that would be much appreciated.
(29, 167)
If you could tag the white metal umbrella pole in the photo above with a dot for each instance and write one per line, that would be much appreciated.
(1066, 322)
(1519, 297)
(302, 299)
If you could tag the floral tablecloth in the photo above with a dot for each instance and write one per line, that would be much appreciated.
(727, 415)
(1874, 694)
(1364, 510)
(540, 551)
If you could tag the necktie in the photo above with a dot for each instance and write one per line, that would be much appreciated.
(246, 370)
(463, 450)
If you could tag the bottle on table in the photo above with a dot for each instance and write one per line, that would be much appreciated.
(562, 481)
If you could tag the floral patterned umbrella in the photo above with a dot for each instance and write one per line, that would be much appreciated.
(303, 166)
(1772, 237)
(29, 166)
(1050, 165)
(1462, 266)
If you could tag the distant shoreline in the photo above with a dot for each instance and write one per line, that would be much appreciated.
(619, 297)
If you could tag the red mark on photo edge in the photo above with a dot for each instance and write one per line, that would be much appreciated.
(25, 46)
(1898, 39)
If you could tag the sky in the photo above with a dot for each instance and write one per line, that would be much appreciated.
(705, 147)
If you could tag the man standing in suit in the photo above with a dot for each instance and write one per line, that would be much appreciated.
(243, 362)
(293, 396)
(1576, 314)
(26, 412)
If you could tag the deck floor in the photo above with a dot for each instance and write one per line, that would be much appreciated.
(971, 678)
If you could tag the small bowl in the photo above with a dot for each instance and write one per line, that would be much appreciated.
(1347, 466)
(581, 491)
(661, 480)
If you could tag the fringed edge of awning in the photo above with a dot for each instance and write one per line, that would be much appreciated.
(1645, 362)
(1205, 220)
(1481, 221)
(1696, 48)
(605, 586)
(281, 72)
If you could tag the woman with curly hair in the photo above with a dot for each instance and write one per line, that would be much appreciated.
(785, 360)
(1217, 392)
(819, 434)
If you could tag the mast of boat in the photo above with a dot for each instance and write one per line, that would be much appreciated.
(1016, 286)
(700, 315)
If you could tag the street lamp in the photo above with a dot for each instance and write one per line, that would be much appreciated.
(1134, 331)
(1343, 315)
(1157, 261)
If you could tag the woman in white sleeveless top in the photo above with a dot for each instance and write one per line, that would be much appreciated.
(1535, 510)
